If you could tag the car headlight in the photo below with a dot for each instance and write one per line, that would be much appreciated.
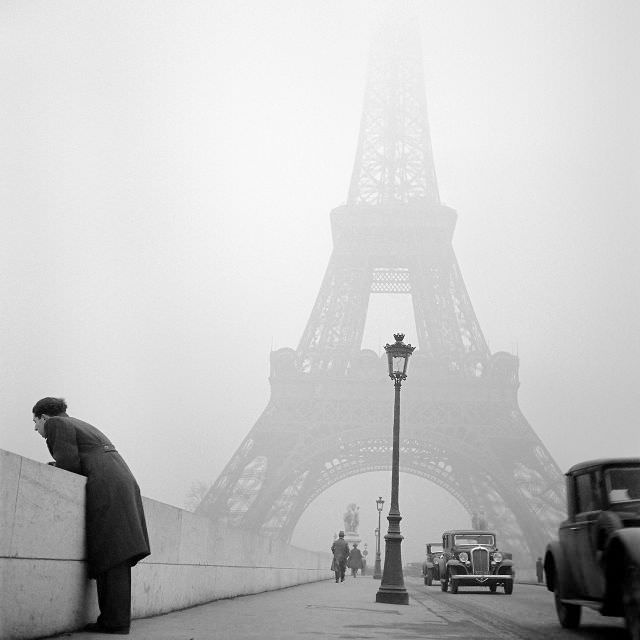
(497, 557)
(463, 556)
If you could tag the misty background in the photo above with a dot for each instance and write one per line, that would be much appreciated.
(167, 172)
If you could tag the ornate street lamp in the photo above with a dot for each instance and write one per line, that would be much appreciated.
(392, 588)
(377, 569)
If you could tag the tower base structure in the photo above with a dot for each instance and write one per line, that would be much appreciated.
(328, 417)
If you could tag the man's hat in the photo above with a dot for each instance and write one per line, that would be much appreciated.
(341, 534)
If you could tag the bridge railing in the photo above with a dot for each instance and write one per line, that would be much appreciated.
(43, 576)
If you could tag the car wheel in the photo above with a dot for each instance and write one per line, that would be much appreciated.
(493, 587)
(568, 614)
(631, 602)
(454, 586)
(429, 577)
(444, 583)
(508, 587)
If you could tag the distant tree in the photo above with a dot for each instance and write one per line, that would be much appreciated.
(196, 493)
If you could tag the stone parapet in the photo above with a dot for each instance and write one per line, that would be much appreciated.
(43, 577)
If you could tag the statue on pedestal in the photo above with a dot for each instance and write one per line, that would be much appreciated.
(351, 522)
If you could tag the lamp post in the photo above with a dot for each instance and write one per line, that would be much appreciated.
(377, 569)
(392, 589)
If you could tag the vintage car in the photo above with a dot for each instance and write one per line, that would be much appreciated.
(596, 560)
(430, 567)
(471, 558)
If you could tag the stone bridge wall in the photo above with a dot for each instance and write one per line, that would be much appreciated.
(43, 580)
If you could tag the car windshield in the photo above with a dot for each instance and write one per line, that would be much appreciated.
(468, 539)
(436, 548)
(623, 484)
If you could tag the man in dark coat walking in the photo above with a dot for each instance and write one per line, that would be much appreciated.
(340, 550)
(355, 560)
(115, 524)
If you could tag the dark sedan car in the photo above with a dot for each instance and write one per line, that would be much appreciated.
(472, 558)
(595, 562)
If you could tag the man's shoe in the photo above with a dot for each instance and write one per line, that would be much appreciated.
(97, 627)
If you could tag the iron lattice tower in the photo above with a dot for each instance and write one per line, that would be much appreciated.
(328, 417)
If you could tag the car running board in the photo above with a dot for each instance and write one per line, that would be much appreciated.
(592, 604)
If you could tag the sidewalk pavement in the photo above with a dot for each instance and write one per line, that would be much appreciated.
(316, 610)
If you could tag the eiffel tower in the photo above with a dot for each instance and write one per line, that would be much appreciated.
(329, 414)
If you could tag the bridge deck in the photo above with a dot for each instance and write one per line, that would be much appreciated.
(336, 611)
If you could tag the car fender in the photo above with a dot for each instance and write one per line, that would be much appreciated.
(455, 567)
(629, 541)
(622, 552)
(557, 570)
(505, 564)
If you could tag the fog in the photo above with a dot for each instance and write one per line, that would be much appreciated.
(167, 172)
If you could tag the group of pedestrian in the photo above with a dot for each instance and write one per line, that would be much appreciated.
(344, 557)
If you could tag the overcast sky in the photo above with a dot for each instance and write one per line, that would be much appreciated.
(167, 173)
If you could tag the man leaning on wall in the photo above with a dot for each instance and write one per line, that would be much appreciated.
(116, 529)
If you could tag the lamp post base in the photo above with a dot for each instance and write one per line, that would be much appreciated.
(389, 595)
(392, 590)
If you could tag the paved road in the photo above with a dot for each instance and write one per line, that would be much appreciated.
(348, 611)
(527, 614)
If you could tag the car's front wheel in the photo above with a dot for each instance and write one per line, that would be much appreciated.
(454, 586)
(492, 587)
(444, 583)
(568, 614)
(631, 602)
(508, 587)
(428, 579)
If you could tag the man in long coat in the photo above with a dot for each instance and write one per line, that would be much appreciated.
(116, 530)
(355, 560)
(340, 550)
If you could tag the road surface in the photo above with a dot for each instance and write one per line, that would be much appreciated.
(348, 611)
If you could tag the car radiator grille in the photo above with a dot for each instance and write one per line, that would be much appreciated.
(480, 560)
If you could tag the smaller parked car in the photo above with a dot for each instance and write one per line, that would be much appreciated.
(595, 562)
(430, 567)
(472, 558)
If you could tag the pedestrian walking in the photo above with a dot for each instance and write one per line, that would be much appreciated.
(340, 550)
(539, 570)
(116, 531)
(355, 560)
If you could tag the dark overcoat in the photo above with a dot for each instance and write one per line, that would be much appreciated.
(116, 529)
(355, 558)
(340, 549)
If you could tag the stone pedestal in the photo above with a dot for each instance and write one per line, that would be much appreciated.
(351, 537)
